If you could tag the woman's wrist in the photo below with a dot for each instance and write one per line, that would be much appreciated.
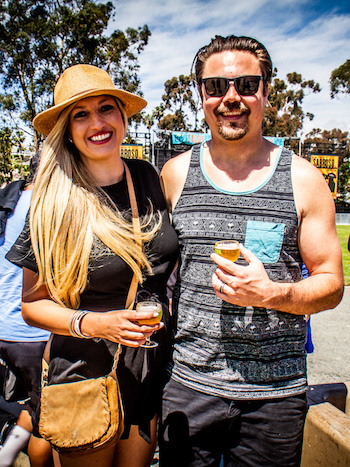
(90, 326)
(75, 324)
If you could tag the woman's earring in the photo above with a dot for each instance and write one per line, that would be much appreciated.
(70, 140)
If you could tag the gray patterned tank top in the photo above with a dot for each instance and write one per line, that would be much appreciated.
(227, 350)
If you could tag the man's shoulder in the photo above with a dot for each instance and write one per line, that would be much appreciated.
(303, 169)
(311, 191)
(179, 159)
(177, 166)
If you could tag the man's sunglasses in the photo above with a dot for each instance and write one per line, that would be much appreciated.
(245, 85)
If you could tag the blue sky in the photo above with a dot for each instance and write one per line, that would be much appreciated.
(309, 37)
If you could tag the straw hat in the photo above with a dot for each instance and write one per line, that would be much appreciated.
(79, 82)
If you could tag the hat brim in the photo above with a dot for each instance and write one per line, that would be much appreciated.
(46, 120)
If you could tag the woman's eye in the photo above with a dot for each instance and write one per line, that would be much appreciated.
(106, 108)
(80, 114)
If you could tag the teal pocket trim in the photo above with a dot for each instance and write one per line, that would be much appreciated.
(264, 239)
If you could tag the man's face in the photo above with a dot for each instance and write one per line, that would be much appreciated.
(232, 116)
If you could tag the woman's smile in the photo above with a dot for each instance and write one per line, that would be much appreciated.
(101, 138)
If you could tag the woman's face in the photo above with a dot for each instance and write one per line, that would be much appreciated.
(97, 129)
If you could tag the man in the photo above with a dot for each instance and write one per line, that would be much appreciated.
(238, 379)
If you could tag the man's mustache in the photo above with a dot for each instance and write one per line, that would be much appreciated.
(235, 108)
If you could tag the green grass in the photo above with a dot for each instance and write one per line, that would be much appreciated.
(343, 235)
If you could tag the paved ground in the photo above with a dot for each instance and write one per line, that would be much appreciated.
(330, 362)
(21, 461)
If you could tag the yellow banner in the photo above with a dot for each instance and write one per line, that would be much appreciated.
(328, 166)
(132, 151)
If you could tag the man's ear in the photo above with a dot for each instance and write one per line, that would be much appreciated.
(266, 89)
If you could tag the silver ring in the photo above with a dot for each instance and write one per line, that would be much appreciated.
(222, 287)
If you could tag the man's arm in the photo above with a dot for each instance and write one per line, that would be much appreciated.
(318, 240)
(319, 247)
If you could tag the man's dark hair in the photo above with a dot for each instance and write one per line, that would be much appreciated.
(231, 43)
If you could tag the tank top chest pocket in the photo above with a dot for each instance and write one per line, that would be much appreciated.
(265, 240)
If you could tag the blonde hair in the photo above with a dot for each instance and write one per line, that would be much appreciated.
(67, 215)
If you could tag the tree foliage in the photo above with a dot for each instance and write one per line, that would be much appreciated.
(340, 79)
(9, 140)
(284, 115)
(39, 39)
(178, 101)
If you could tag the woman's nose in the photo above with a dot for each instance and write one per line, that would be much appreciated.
(96, 118)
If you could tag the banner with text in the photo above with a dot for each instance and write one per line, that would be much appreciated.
(181, 137)
(328, 165)
(132, 151)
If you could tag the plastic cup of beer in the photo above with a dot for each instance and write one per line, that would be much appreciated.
(228, 249)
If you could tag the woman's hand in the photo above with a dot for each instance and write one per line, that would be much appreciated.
(119, 326)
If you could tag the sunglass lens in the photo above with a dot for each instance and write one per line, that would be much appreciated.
(216, 86)
(247, 85)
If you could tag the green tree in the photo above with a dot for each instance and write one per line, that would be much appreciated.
(150, 119)
(41, 38)
(340, 79)
(9, 140)
(174, 122)
(178, 99)
(284, 115)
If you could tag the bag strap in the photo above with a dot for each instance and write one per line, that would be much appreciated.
(134, 283)
(137, 230)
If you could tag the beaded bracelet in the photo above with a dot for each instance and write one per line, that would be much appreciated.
(74, 324)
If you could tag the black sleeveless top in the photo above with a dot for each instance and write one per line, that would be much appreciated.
(227, 350)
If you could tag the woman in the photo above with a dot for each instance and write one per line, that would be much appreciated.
(85, 253)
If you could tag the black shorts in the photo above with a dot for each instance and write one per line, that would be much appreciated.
(201, 430)
(24, 359)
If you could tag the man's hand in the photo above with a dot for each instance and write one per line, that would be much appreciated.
(242, 285)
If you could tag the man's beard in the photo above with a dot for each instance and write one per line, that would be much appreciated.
(231, 131)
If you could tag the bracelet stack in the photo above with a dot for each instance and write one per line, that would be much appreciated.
(74, 324)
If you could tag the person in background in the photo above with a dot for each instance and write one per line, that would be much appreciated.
(83, 269)
(238, 377)
(309, 345)
(21, 346)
